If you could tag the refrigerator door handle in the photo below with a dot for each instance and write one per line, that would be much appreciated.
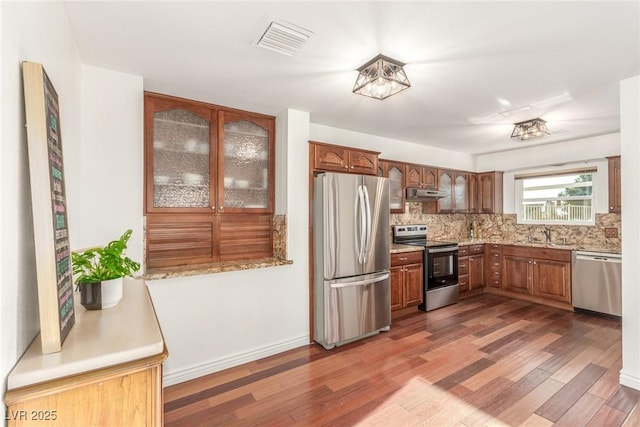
(363, 225)
(367, 244)
(360, 282)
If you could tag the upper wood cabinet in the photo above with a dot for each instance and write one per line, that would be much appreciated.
(395, 172)
(337, 158)
(454, 184)
(419, 176)
(489, 198)
(203, 165)
(615, 185)
(472, 188)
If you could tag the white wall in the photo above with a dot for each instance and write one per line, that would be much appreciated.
(630, 135)
(577, 150)
(37, 32)
(109, 199)
(393, 149)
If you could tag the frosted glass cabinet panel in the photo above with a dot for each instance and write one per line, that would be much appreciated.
(246, 165)
(181, 171)
(460, 192)
(445, 184)
(396, 201)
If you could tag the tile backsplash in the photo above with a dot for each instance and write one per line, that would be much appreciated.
(503, 227)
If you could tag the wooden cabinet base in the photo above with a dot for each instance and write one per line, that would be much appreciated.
(471, 293)
(122, 395)
(530, 298)
(396, 314)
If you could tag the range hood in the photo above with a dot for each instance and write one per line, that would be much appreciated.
(419, 194)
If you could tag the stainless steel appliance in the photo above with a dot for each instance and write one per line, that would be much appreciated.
(596, 282)
(418, 194)
(440, 265)
(351, 257)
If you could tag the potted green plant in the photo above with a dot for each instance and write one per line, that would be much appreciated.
(99, 272)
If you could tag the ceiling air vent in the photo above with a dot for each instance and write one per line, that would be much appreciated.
(284, 37)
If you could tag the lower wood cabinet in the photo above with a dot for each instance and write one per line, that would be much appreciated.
(517, 274)
(552, 279)
(406, 279)
(124, 395)
(493, 265)
(108, 372)
(542, 275)
(470, 269)
(476, 271)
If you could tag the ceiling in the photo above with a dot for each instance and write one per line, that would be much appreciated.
(475, 67)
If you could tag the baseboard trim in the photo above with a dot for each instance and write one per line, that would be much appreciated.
(629, 380)
(196, 371)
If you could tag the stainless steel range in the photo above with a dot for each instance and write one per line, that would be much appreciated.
(440, 265)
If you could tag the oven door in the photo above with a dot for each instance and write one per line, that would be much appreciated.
(442, 267)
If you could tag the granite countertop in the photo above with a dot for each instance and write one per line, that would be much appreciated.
(398, 248)
(539, 244)
(98, 339)
(210, 268)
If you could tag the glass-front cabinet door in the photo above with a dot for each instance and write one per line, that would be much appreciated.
(395, 171)
(180, 158)
(460, 192)
(246, 166)
(445, 183)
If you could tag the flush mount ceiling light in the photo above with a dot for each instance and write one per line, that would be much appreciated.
(381, 77)
(530, 129)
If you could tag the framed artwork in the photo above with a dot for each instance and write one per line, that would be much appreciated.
(48, 199)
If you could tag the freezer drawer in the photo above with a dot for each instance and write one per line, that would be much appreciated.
(352, 308)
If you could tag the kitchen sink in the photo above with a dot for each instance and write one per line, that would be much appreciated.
(530, 242)
(543, 243)
(563, 243)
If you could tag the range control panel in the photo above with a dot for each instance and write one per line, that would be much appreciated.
(410, 230)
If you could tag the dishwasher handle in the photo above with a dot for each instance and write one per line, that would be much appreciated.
(599, 257)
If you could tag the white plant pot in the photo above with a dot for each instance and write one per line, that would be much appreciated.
(101, 295)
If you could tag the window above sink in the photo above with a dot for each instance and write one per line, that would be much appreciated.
(557, 198)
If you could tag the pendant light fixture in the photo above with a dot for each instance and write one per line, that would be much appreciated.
(381, 77)
(530, 129)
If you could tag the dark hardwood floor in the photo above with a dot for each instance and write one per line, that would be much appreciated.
(486, 361)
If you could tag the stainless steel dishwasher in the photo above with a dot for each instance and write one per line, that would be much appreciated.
(596, 282)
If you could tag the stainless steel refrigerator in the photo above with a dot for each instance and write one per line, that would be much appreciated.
(351, 257)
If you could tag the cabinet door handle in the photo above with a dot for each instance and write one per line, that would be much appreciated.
(353, 167)
(346, 166)
(403, 259)
(221, 208)
(213, 208)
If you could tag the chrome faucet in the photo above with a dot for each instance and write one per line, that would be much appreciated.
(547, 233)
